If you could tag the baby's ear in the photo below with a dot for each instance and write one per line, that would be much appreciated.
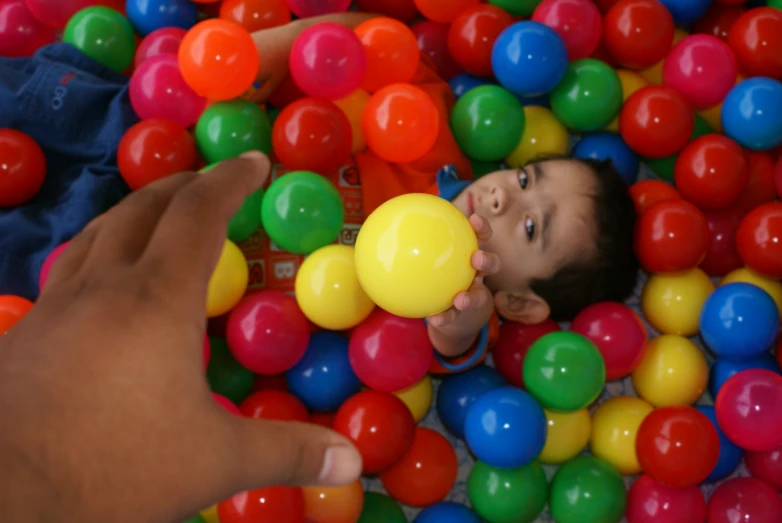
(524, 307)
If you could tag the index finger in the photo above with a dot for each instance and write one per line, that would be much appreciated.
(481, 227)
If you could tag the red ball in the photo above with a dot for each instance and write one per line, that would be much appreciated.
(651, 502)
(778, 177)
(380, 426)
(718, 20)
(656, 121)
(711, 172)
(273, 382)
(443, 11)
(22, 168)
(756, 38)
(21, 33)
(760, 188)
(278, 504)
(617, 332)
(154, 149)
(749, 409)
(578, 22)
(255, 15)
(722, 256)
(226, 404)
(390, 353)
(671, 236)
(426, 473)
(759, 240)
(274, 404)
(472, 35)
(744, 500)
(638, 33)
(433, 41)
(312, 135)
(677, 446)
(648, 192)
(324, 419)
(512, 346)
(766, 466)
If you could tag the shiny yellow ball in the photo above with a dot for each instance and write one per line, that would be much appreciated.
(566, 436)
(673, 371)
(413, 255)
(772, 287)
(209, 515)
(228, 282)
(418, 398)
(543, 135)
(672, 303)
(615, 426)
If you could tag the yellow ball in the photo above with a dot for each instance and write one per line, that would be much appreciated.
(672, 303)
(543, 134)
(673, 371)
(631, 82)
(772, 287)
(418, 398)
(567, 435)
(614, 429)
(413, 255)
(228, 282)
(353, 107)
(327, 289)
(209, 515)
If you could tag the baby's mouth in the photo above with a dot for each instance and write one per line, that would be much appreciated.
(470, 204)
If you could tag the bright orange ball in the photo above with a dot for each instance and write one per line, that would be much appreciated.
(333, 504)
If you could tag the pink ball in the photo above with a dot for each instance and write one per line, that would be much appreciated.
(160, 41)
(744, 500)
(618, 333)
(206, 352)
(226, 404)
(578, 22)
(21, 34)
(308, 8)
(703, 68)
(328, 61)
(651, 502)
(267, 332)
(766, 466)
(749, 409)
(157, 90)
(47, 264)
(389, 353)
(55, 13)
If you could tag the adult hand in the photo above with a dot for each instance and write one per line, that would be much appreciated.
(105, 414)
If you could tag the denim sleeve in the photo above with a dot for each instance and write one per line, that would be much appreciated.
(77, 110)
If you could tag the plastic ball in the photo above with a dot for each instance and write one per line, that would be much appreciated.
(21, 33)
(771, 286)
(685, 12)
(578, 22)
(444, 511)
(543, 135)
(418, 398)
(104, 35)
(225, 375)
(758, 240)
(749, 409)
(247, 219)
(648, 192)
(443, 11)
(380, 426)
(340, 504)
(472, 35)
(458, 392)
(311, 134)
(379, 508)
(529, 46)
(615, 426)
(671, 236)
(649, 501)
(226, 404)
(353, 107)
(48, 263)
(149, 15)
(677, 446)
(744, 499)
(161, 41)
(432, 38)
(392, 54)
(12, 310)
(754, 36)
(505, 427)
(402, 10)
(605, 145)
(730, 454)
(567, 434)
(631, 82)
(701, 67)
(310, 8)
(54, 13)
(227, 129)
(749, 113)
(564, 371)
(413, 255)
(498, 494)
(487, 123)
(157, 90)
(739, 321)
(722, 369)
(228, 282)
(276, 405)
(766, 466)
(672, 372)
(722, 256)
(461, 83)
(255, 15)
(638, 33)
(672, 303)
(267, 332)
(656, 121)
(718, 20)
(589, 95)
(761, 188)
(512, 345)
(22, 170)
(587, 490)
(665, 167)
(278, 504)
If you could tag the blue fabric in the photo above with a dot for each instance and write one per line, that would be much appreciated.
(77, 110)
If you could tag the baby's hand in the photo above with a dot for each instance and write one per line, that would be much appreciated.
(471, 308)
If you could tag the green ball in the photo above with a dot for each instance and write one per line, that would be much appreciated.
(302, 211)
(517, 7)
(226, 376)
(564, 371)
(104, 35)
(507, 495)
(664, 167)
(227, 129)
(196, 519)
(587, 490)
(379, 508)
(588, 97)
(774, 3)
(480, 168)
(487, 122)
(247, 219)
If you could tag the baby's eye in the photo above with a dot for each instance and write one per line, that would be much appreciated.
(529, 226)
(523, 179)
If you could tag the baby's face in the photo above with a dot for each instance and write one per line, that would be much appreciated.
(541, 216)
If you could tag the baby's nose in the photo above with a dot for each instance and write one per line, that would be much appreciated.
(498, 200)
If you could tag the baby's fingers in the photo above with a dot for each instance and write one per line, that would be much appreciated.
(473, 298)
(485, 262)
(481, 227)
(444, 318)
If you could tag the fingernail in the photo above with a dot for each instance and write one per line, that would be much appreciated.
(465, 302)
(251, 155)
(341, 465)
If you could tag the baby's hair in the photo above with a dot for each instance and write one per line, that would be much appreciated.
(611, 274)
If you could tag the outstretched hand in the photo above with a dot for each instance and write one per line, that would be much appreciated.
(103, 401)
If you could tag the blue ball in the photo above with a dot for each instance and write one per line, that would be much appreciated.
(149, 15)
(604, 145)
(447, 512)
(529, 58)
(752, 113)
(461, 83)
(458, 392)
(723, 369)
(685, 12)
(506, 428)
(323, 379)
(730, 453)
(739, 321)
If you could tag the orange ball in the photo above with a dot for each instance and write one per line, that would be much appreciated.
(218, 59)
(255, 15)
(333, 504)
(12, 309)
(392, 52)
